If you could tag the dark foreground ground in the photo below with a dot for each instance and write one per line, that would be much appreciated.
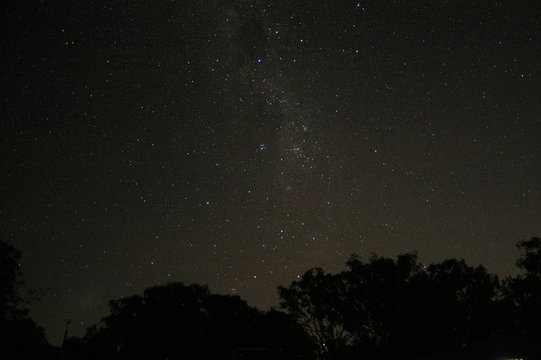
(520, 345)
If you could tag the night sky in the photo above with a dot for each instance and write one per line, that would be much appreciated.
(240, 143)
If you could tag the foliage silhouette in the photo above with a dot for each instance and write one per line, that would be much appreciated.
(530, 261)
(20, 336)
(382, 308)
(315, 302)
(524, 291)
(187, 322)
(461, 304)
(11, 300)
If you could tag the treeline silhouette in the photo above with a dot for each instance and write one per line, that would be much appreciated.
(381, 308)
(20, 336)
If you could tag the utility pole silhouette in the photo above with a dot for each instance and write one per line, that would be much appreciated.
(68, 322)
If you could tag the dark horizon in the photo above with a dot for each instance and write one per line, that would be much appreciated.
(377, 308)
(239, 144)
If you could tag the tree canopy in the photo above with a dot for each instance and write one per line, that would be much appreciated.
(398, 308)
(381, 308)
(188, 321)
(20, 336)
(11, 300)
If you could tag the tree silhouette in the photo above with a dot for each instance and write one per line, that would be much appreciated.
(382, 307)
(379, 301)
(11, 300)
(316, 303)
(462, 303)
(188, 322)
(20, 336)
(524, 290)
(282, 333)
(530, 261)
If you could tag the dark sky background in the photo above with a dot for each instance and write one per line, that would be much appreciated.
(240, 143)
